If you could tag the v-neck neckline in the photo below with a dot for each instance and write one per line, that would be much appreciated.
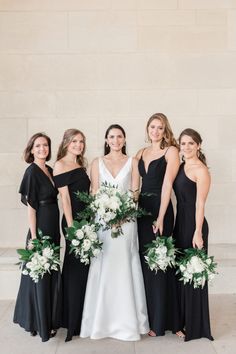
(147, 170)
(48, 178)
(119, 170)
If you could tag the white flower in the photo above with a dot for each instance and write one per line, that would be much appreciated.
(25, 272)
(96, 252)
(182, 267)
(43, 260)
(79, 234)
(208, 261)
(109, 216)
(92, 236)
(35, 258)
(197, 264)
(114, 203)
(86, 244)
(46, 266)
(29, 265)
(48, 252)
(75, 242)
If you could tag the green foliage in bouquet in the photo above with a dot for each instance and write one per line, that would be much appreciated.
(196, 267)
(111, 207)
(84, 242)
(161, 253)
(41, 256)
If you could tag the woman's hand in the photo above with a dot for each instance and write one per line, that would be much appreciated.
(158, 226)
(197, 240)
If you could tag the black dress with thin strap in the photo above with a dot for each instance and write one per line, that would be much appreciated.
(38, 304)
(193, 303)
(160, 287)
(74, 273)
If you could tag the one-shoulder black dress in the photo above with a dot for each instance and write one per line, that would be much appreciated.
(38, 304)
(193, 303)
(74, 273)
(160, 287)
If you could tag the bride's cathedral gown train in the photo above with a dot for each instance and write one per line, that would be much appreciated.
(115, 304)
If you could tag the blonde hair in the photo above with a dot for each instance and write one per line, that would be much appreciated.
(168, 139)
(66, 140)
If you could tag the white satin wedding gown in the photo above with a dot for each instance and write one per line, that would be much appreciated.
(115, 304)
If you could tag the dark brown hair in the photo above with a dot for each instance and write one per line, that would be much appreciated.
(66, 140)
(28, 156)
(106, 146)
(168, 139)
(198, 140)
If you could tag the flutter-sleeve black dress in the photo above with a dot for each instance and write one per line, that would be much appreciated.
(193, 303)
(38, 304)
(74, 273)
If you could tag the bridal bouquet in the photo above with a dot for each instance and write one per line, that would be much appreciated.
(161, 253)
(196, 267)
(111, 207)
(40, 257)
(84, 242)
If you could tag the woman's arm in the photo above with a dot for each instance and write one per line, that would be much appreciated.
(66, 205)
(203, 181)
(94, 176)
(135, 179)
(64, 194)
(32, 221)
(172, 158)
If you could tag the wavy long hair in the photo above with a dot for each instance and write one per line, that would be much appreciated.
(168, 139)
(66, 140)
(198, 140)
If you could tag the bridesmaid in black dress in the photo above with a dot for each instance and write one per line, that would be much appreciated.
(38, 304)
(191, 230)
(158, 166)
(70, 176)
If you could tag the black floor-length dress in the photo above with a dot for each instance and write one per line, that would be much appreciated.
(38, 304)
(74, 273)
(160, 287)
(193, 303)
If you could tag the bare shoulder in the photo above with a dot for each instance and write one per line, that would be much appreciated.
(202, 172)
(172, 154)
(172, 151)
(59, 167)
(94, 163)
(139, 154)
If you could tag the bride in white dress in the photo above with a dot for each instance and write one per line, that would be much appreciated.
(115, 304)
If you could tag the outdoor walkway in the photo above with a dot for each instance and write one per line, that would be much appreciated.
(14, 340)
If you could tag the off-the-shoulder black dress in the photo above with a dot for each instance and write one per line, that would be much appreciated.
(74, 273)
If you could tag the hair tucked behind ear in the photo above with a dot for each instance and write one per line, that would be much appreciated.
(198, 140)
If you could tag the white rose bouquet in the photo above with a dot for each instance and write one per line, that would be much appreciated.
(196, 267)
(41, 256)
(111, 207)
(161, 253)
(84, 242)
